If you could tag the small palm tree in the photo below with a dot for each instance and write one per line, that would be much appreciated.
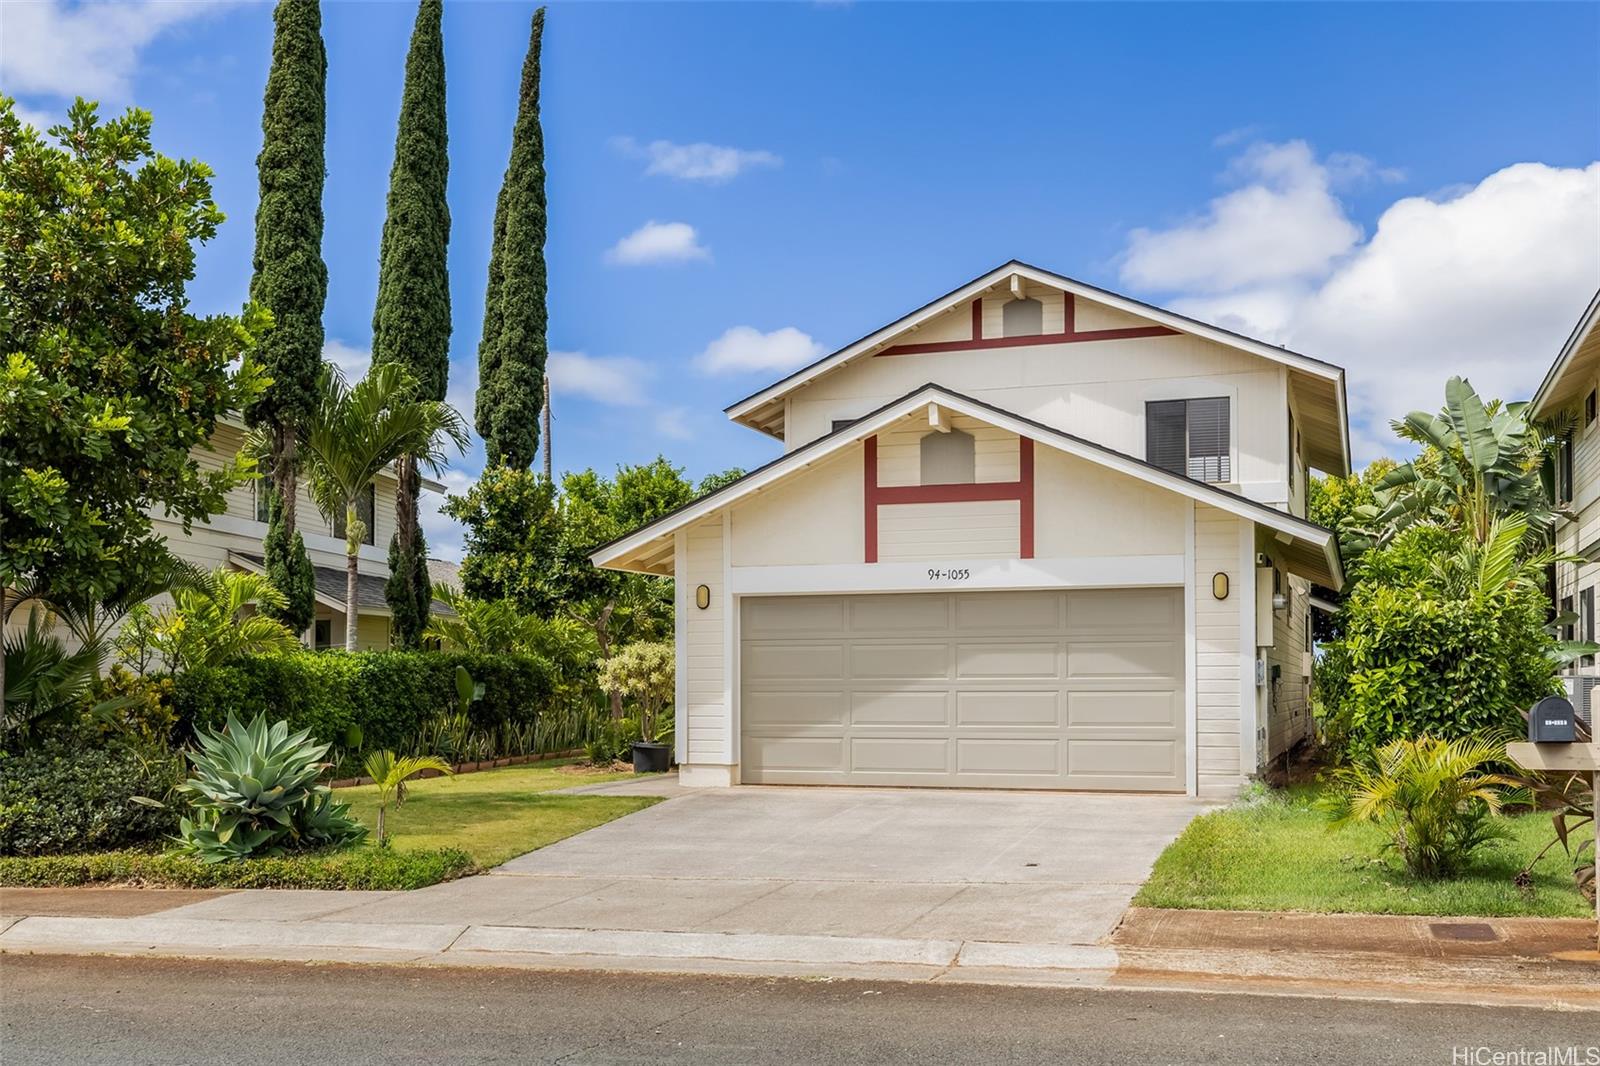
(356, 431)
(390, 773)
(207, 625)
(1434, 798)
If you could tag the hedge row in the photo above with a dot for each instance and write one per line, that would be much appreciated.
(368, 867)
(388, 694)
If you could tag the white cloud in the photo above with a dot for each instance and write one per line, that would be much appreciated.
(659, 242)
(673, 422)
(616, 380)
(745, 348)
(1485, 282)
(710, 163)
(87, 49)
(1283, 224)
(352, 361)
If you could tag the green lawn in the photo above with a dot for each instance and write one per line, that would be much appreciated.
(1278, 854)
(494, 815)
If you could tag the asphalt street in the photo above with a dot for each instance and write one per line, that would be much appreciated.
(65, 1010)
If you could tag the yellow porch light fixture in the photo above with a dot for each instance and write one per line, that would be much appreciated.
(702, 596)
(1219, 585)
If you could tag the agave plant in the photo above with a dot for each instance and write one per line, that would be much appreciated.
(1433, 797)
(254, 790)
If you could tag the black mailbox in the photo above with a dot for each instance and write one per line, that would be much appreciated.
(1551, 721)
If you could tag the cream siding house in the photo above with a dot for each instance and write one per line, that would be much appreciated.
(1569, 390)
(1033, 534)
(234, 539)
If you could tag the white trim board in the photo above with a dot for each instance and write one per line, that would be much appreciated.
(983, 574)
(816, 451)
(982, 284)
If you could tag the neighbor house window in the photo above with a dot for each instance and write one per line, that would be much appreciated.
(1022, 318)
(1588, 408)
(1564, 470)
(366, 510)
(1189, 437)
(1586, 617)
(1569, 630)
(949, 458)
(262, 488)
(324, 634)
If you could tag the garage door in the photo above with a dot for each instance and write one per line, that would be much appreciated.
(1080, 689)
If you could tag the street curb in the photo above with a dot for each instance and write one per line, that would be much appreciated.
(1536, 983)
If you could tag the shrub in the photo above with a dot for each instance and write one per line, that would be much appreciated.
(1431, 796)
(613, 741)
(389, 695)
(75, 797)
(381, 869)
(254, 791)
(644, 673)
(1417, 659)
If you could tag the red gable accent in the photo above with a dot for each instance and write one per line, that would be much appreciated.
(1069, 335)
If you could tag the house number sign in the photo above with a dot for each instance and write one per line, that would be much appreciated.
(949, 575)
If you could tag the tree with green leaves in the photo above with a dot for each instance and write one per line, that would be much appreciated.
(282, 554)
(411, 325)
(290, 279)
(528, 543)
(108, 382)
(356, 431)
(512, 350)
(1481, 460)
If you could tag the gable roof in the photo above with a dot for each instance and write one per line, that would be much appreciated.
(1313, 548)
(1328, 436)
(1575, 364)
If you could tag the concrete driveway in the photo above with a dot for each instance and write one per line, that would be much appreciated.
(1014, 867)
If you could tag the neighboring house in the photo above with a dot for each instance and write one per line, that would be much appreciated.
(1568, 393)
(235, 538)
(1033, 534)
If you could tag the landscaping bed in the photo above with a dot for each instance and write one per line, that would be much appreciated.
(447, 828)
(1276, 852)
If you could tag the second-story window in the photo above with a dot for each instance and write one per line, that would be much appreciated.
(1022, 318)
(1589, 408)
(366, 510)
(1190, 437)
(949, 458)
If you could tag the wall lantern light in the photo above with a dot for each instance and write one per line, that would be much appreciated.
(702, 596)
(1219, 585)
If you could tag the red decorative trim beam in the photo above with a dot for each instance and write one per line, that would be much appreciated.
(1070, 334)
(1021, 490)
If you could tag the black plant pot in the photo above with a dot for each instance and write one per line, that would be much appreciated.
(651, 758)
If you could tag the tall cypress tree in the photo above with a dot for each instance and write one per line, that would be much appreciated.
(290, 278)
(411, 324)
(511, 355)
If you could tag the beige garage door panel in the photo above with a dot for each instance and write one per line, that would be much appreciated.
(1078, 689)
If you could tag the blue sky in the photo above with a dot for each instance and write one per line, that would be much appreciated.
(1409, 190)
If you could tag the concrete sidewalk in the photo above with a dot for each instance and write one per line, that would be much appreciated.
(1526, 962)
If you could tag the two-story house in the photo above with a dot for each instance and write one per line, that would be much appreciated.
(1568, 394)
(1031, 535)
(234, 539)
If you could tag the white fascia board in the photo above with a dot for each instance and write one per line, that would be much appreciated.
(1043, 277)
(1279, 521)
(1586, 324)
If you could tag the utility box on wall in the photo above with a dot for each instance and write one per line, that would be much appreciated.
(1264, 594)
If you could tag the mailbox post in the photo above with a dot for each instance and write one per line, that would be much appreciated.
(1552, 745)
